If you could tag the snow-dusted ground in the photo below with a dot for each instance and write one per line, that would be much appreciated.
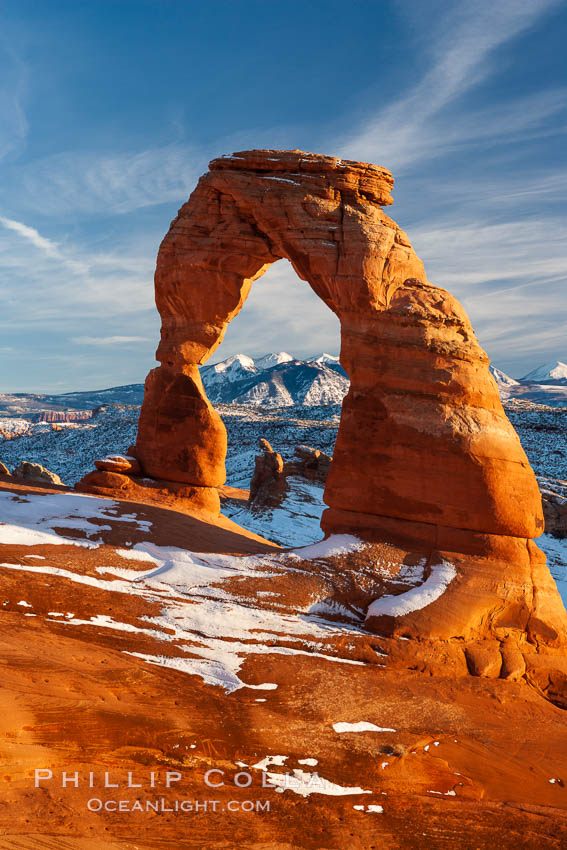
(556, 551)
(36, 523)
(70, 453)
(209, 629)
(296, 523)
(543, 434)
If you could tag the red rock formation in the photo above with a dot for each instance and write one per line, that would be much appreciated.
(130, 685)
(65, 415)
(184, 498)
(442, 466)
(268, 485)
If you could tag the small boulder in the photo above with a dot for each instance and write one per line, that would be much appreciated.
(35, 473)
(120, 464)
(4, 469)
(309, 463)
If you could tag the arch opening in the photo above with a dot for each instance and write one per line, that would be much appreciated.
(276, 360)
(281, 313)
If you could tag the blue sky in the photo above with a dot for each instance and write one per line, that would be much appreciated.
(110, 111)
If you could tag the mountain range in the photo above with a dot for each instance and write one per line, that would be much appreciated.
(278, 380)
(546, 384)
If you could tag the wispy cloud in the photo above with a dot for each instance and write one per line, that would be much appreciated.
(485, 221)
(109, 340)
(94, 183)
(511, 278)
(56, 282)
(411, 129)
(79, 237)
(46, 246)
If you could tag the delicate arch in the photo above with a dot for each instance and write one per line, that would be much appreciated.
(424, 446)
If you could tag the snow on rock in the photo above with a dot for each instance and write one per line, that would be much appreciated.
(336, 544)
(303, 783)
(212, 672)
(212, 629)
(33, 519)
(10, 428)
(440, 577)
(300, 781)
(360, 726)
(269, 761)
(296, 521)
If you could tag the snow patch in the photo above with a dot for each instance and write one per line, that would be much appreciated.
(336, 544)
(439, 579)
(33, 519)
(303, 783)
(360, 726)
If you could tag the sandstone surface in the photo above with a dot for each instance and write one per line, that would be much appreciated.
(257, 666)
(119, 464)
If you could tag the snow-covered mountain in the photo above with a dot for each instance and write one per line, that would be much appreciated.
(276, 380)
(274, 359)
(504, 382)
(545, 385)
(32, 404)
(549, 373)
(323, 358)
(502, 379)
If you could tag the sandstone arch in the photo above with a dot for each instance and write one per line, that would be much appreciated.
(423, 436)
(425, 458)
(425, 455)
